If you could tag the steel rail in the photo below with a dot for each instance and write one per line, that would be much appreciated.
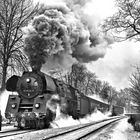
(9, 133)
(77, 133)
(69, 133)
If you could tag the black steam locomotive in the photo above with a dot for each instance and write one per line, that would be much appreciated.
(38, 97)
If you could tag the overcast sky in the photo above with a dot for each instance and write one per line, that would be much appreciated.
(119, 61)
(117, 64)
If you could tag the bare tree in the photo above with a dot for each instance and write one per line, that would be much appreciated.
(96, 87)
(90, 79)
(77, 75)
(135, 86)
(125, 23)
(14, 14)
(125, 98)
(105, 90)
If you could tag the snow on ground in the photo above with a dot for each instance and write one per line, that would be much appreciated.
(119, 131)
(3, 101)
(122, 131)
(7, 128)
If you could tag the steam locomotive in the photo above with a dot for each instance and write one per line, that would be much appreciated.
(39, 96)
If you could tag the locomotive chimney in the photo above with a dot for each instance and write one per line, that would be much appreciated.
(36, 67)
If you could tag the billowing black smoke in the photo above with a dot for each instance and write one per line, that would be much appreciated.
(60, 36)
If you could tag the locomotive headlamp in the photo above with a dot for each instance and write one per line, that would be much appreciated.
(37, 105)
(11, 115)
(13, 106)
(28, 80)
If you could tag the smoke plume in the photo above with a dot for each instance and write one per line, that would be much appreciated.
(63, 34)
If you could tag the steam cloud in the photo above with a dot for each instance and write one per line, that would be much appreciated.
(62, 35)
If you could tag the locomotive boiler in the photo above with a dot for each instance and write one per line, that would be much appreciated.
(38, 96)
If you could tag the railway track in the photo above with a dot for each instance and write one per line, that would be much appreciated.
(69, 133)
(84, 131)
(13, 132)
